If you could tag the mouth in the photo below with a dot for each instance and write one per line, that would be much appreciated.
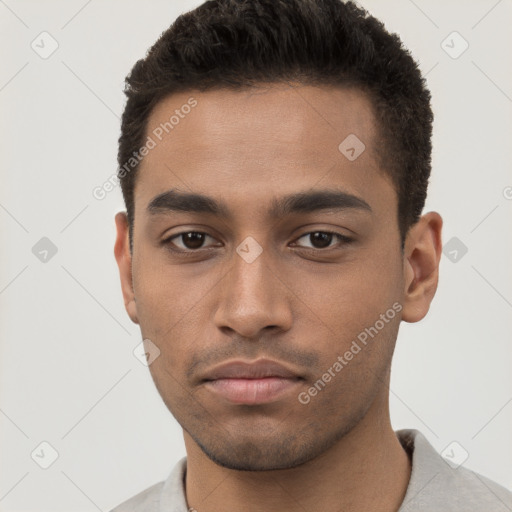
(259, 382)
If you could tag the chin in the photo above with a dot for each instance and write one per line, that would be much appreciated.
(262, 454)
(249, 460)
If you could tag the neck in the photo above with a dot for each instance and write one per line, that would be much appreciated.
(367, 469)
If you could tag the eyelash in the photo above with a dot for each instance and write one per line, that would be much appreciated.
(344, 240)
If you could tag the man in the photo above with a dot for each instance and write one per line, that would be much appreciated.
(274, 161)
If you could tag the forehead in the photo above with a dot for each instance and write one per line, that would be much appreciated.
(260, 141)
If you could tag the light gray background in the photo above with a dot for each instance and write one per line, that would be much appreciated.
(68, 374)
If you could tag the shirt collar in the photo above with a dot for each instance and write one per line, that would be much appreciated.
(427, 466)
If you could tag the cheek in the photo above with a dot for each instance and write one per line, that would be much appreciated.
(168, 295)
(355, 359)
(351, 296)
(354, 313)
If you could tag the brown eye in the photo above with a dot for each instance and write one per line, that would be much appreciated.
(188, 241)
(193, 240)
(323, 239)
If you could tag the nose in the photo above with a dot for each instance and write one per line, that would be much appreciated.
(253, 299)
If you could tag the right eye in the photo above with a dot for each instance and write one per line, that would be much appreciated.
(187, 241)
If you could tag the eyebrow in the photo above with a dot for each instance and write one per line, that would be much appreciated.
(301, 202)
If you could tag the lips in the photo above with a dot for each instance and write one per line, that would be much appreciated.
(256, 370)
(262, 381)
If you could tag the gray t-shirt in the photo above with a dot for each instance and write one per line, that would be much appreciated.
(434, 486)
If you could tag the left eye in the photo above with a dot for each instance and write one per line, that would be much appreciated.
(322, 239)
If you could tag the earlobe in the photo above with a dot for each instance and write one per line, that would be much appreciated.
(124, 262)
(422, 254)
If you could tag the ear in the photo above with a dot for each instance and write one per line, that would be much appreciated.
(422, 253)
(124, 262)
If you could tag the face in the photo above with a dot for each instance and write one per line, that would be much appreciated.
(258, 238)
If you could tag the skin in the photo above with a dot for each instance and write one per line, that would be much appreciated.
(291, 304)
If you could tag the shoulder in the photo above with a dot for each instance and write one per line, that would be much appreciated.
(146, 501)
(168, 495)
(437, 484)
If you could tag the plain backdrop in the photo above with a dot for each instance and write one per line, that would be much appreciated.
(68, 375)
